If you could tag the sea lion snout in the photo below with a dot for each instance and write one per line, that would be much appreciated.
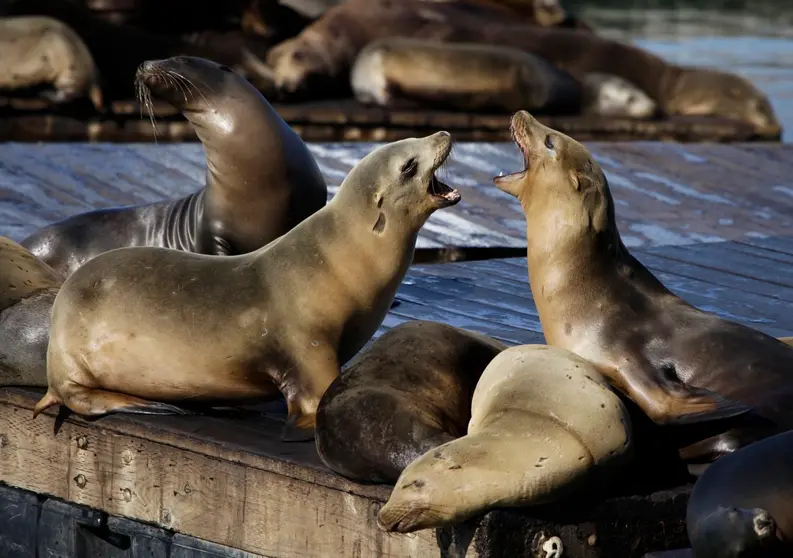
(442, 195)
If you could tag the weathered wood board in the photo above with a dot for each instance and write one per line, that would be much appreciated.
(666, 194)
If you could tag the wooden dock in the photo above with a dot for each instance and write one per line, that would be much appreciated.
(713, 222)
(32, 120)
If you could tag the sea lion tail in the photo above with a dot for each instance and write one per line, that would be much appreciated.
(50, 399)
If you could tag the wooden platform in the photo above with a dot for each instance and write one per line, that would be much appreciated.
(231, 481)
(713, 222)
(31, 120)
(666, 194)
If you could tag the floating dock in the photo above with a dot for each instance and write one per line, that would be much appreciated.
(31, 120)
(714, 223)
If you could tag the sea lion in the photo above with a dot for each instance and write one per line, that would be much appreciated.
(681, 365)
(408, 392)
(477, 77)
(42, 51)
(135, 325)
(27, 290)
(462, 76)
(261, 178)
(742, 506)
(543, 423)
(320, 57)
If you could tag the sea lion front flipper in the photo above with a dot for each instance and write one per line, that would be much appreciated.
(668, 401)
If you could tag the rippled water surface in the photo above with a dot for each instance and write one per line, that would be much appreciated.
(754, 39)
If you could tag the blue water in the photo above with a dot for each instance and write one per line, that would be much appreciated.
(755, 43)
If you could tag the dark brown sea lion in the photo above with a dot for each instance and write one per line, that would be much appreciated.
(261, 178)
(320, 57)
(42, 51)
(409, 392)
(28, 288)
(679, 364)
(742, 506)
(137, 326)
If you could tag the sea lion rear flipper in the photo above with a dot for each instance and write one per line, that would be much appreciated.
(668, 401)
(94, 402)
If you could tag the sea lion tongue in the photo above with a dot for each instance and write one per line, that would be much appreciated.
(442, 193)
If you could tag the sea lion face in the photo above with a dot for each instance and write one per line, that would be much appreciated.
(735, 533)
(562, 189)
(179, 80)
(614, 96)
(399, 179)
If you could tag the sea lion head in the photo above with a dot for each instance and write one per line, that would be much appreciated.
(702, 91)
(614, 96)
(730, 532)
(562, 189)
(188, 83)
(397, 183)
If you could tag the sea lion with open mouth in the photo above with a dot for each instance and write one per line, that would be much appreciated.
(261, 178)
(135, 328)
(681, 365)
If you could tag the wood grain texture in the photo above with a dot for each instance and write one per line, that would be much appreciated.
(666, 194)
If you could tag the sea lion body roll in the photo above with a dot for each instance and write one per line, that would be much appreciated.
(261, 178)
(678, 363)
(408, 392)
(37, 50)
(543, 423)
(461, 76)
(27, 290)
(742, 506)
(137, 325)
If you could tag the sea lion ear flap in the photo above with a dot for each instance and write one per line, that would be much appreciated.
(581, 182)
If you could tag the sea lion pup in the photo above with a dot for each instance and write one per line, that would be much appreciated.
(742, 506)
(320, 57)
(27, 290)
(135, 325)
(409, 392)
(543, 424)
(36, 51)
(261, 178)
(679, 364)
(477, 77)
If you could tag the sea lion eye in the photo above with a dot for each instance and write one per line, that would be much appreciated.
(409, 168)
(225, 69)
(549, 142)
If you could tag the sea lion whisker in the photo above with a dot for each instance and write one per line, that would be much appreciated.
(193, 87)
(183, 86)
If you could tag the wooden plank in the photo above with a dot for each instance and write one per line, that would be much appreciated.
(665, 194)
(343, 120)
(174, 473)
(493, 297)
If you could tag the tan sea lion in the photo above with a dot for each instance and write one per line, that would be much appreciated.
(408, 392)
(27, 290)
(678, 363)
(461, 76)
(742, 506)
(320, 57)
(42, 51)
(261, 178)
(543, 424)
(137, 326)
(477, 77)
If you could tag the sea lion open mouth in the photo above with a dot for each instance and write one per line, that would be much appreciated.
(518, 129)
(443, 194)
